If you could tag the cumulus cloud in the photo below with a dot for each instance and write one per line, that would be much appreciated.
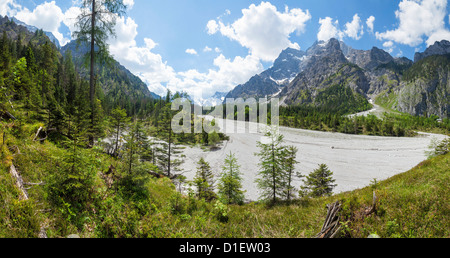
(370, 23)
(389, 46)
(420, 20)
(227, 74)
(8, 7)
(191, 51)
(129, 3)
(263, 29)
(212, 27)
(354, 29)
(207, 49)
(159, 76)
(47, 16)
(329, 29)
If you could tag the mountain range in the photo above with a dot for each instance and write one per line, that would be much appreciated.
(313, 77)
(304, 77)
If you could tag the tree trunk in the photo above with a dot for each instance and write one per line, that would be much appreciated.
(170, 148)
(91, 79)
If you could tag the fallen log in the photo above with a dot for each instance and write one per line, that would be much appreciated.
(19, 182)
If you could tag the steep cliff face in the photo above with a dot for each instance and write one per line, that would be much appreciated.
(426, 86)
(324, 67)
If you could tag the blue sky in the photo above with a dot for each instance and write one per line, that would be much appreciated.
(211, 46)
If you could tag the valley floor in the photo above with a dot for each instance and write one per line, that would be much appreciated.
(355, 159)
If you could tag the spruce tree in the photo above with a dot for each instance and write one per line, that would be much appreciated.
(271, 175)
(168, 150)
(319, 183)
(95, 24)
(290, 155)
(204, 181)
(119, 123)
(230, 182)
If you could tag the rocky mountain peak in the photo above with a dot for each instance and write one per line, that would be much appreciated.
(438, 48)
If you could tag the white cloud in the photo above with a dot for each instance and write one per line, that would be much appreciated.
(218, 50)
(8, 7)
(129, 3)
(354, 29)
(389, 46)
(329, 29)
(370, 23)
(153, 70)
(191, 51)
(212, 27)
(263, 29)
(47, 16)
(207, 49)
(228, 74)
(419, 20)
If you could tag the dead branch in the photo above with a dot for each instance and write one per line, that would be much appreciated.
(37, 134)
(331, 227)
(35, 184)
(374, 205)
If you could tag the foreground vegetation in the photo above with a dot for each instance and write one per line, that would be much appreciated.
(100, 202)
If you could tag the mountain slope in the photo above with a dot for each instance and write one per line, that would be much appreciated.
(119, 86)
(325, 67)
(33, 29)
(425, 88)
(15, 30)
(438, 48)
(271, 81)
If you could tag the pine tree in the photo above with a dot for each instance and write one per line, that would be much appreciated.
(168, 150)
(230, 182)
(24, 86)
(271, 175)
(135, 167)
(319, 183)
(119, 122)
(95, 24)
(213, 139)
(290, 155)
(204, 181)
(5, 54)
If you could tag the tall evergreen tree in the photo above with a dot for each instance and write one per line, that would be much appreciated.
(230, 182)
(204, 181)
(168, 150)
(119, 123)
(271, 175)
(290, 155)
(95, 24)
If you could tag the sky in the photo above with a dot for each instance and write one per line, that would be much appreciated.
(204, 46)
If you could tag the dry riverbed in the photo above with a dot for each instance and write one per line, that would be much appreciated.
(355, 159)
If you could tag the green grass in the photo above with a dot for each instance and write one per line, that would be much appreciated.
(413, 204)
